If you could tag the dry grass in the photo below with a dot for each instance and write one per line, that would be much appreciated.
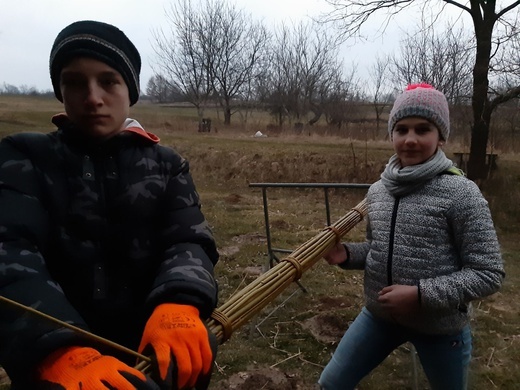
(283, 338)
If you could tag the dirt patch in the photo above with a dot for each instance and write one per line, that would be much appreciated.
(250, 237)
(241, 240)
(280, 224)
(267, 378)
(233, 198)
(229, 250)
(254, 271)
(326, 328)
(333, 303)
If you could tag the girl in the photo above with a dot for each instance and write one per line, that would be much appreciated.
(431, 249)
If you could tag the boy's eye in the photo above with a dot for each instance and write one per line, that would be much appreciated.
(109, 81)
(71, 81)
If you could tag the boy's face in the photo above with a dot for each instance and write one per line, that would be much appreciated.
(415, 140)
(95, 97)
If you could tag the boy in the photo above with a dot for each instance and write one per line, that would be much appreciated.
(101, 227)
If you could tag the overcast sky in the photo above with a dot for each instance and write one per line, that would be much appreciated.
(29, 27)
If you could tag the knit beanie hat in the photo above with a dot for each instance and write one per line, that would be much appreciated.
(424, 101)
(100, 41)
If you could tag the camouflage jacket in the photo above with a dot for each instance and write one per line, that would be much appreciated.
(95, 235)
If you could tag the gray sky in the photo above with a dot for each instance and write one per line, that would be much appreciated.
(28, 29)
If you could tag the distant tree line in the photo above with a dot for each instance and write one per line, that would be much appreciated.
(9, 89)
(216, 54)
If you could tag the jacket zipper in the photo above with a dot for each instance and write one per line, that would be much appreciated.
(100, 282)
(391, 242)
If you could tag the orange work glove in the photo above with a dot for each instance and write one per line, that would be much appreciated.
(175, 335)
(73, 368)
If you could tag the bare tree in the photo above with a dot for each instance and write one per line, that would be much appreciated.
(160, 90)
(9, 89)
(382, 92)
(341, 102)
(304, 73)
(212, 51)
(442, 58)
(235, 47)
(282, 85)
(493, 31)
(180, 55)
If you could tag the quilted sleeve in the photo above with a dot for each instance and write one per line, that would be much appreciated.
(481, 270)
(25, 338)
(186, 271)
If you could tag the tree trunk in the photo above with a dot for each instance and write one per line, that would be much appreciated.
(227, 115)
(315, 118)
(477, 153)
(280, 119)
(480, 102)
(200, 112)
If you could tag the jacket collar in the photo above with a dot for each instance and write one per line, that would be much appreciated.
(130, 125)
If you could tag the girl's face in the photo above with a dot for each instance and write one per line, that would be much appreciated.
(415, 140)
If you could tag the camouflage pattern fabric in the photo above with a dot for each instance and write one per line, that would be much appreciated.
(96, 235)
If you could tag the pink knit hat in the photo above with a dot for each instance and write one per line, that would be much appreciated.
(424, 101)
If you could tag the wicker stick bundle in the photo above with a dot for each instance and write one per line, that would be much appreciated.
(244, 304)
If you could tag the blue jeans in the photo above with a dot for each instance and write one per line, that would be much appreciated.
(368, 341)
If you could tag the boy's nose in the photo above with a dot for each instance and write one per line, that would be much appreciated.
(93, 95)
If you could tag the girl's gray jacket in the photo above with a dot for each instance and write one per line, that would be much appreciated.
(440, 238)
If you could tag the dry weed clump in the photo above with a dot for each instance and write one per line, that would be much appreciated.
(304, 167)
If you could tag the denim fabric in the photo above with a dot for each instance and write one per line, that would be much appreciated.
(368, 341)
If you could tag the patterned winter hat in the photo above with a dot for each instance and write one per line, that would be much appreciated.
(101, 41)
(424, 101)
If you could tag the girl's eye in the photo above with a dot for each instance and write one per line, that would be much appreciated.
(422, 129)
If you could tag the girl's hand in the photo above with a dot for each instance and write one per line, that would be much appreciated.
(336, 255)
(399, 299)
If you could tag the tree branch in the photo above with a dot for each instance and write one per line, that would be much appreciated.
(510, 94)
(508, 8)
(458, 5)
(352, 15)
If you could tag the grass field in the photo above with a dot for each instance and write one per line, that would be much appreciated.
(286, 345)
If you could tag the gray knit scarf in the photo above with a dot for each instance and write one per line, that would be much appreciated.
(401, 181)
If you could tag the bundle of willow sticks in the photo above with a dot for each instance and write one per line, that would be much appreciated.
(246, 303)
